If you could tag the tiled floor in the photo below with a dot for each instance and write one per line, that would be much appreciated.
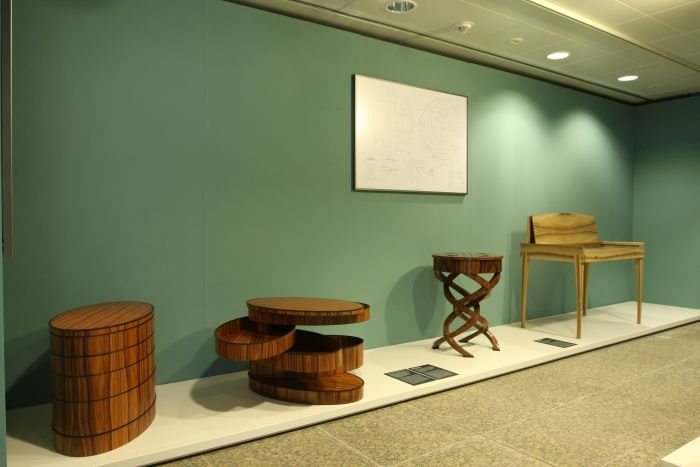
(630, 404)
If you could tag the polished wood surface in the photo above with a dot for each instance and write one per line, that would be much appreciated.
(306, 311)
(341, 388)
(311, 353)
(447, 267)
(108, 317)
(102, 363)
(83, 343)
(244, 339)
(353, 351)
(102, 376)
(467, 263)
(94, 417)
(573, 237)
(563, 228)
(307, 367)
(78, 446)
(102, 385)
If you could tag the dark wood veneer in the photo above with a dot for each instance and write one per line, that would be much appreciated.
(102, 376)
(313, 368)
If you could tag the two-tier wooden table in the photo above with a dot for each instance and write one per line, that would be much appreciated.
(296, 365)
(447, 267)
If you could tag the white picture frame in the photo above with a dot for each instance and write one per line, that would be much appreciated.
(408, 139)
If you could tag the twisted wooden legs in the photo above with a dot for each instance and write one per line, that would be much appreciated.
(466, 308)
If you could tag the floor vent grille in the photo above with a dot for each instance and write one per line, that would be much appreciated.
(420, 374)
(555, 342)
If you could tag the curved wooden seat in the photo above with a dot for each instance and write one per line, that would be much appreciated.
(573, 238)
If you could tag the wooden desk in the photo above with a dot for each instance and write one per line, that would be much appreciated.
(447, 267)
(573, 238)
(295, 365)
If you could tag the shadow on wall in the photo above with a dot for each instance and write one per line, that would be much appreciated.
(33, 386)
(197, 353)
(410, 306)
(38, 430)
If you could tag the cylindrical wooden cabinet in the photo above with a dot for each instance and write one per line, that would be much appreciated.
(102, 376)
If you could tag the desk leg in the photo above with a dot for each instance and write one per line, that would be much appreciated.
(523, 290)
(640, 280)
(579, 266)
(585, 288)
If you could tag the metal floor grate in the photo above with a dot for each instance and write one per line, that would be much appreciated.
(555, 342)
(420, 374)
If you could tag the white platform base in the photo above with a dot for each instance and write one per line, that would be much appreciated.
(687, 455)
(209, 413)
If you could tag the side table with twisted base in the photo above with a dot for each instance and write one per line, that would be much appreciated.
(447, 267)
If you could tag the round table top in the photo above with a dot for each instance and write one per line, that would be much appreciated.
(470, 256)
(100, 316)
(305, 310)
(467, 263)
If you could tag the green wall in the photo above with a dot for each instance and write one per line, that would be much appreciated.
(194, 154)
(666, 195)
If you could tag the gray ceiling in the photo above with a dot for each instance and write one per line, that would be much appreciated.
(658, 40)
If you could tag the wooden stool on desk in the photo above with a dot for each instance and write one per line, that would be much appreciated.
(573, 238)
(447, 267)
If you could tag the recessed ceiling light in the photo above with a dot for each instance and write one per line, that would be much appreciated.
(560, 55)
(401, 6)
(627, 78)
(516, 40)
(464, 26)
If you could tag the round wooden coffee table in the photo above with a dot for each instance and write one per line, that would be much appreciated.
(447, 267)
(295, 365)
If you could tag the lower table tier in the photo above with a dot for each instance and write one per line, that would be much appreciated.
(341, 388)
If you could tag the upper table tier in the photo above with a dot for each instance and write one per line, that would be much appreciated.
(306, 311)
(101, 318)
(467, 263)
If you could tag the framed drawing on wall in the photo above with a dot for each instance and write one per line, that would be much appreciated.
(408, 139)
